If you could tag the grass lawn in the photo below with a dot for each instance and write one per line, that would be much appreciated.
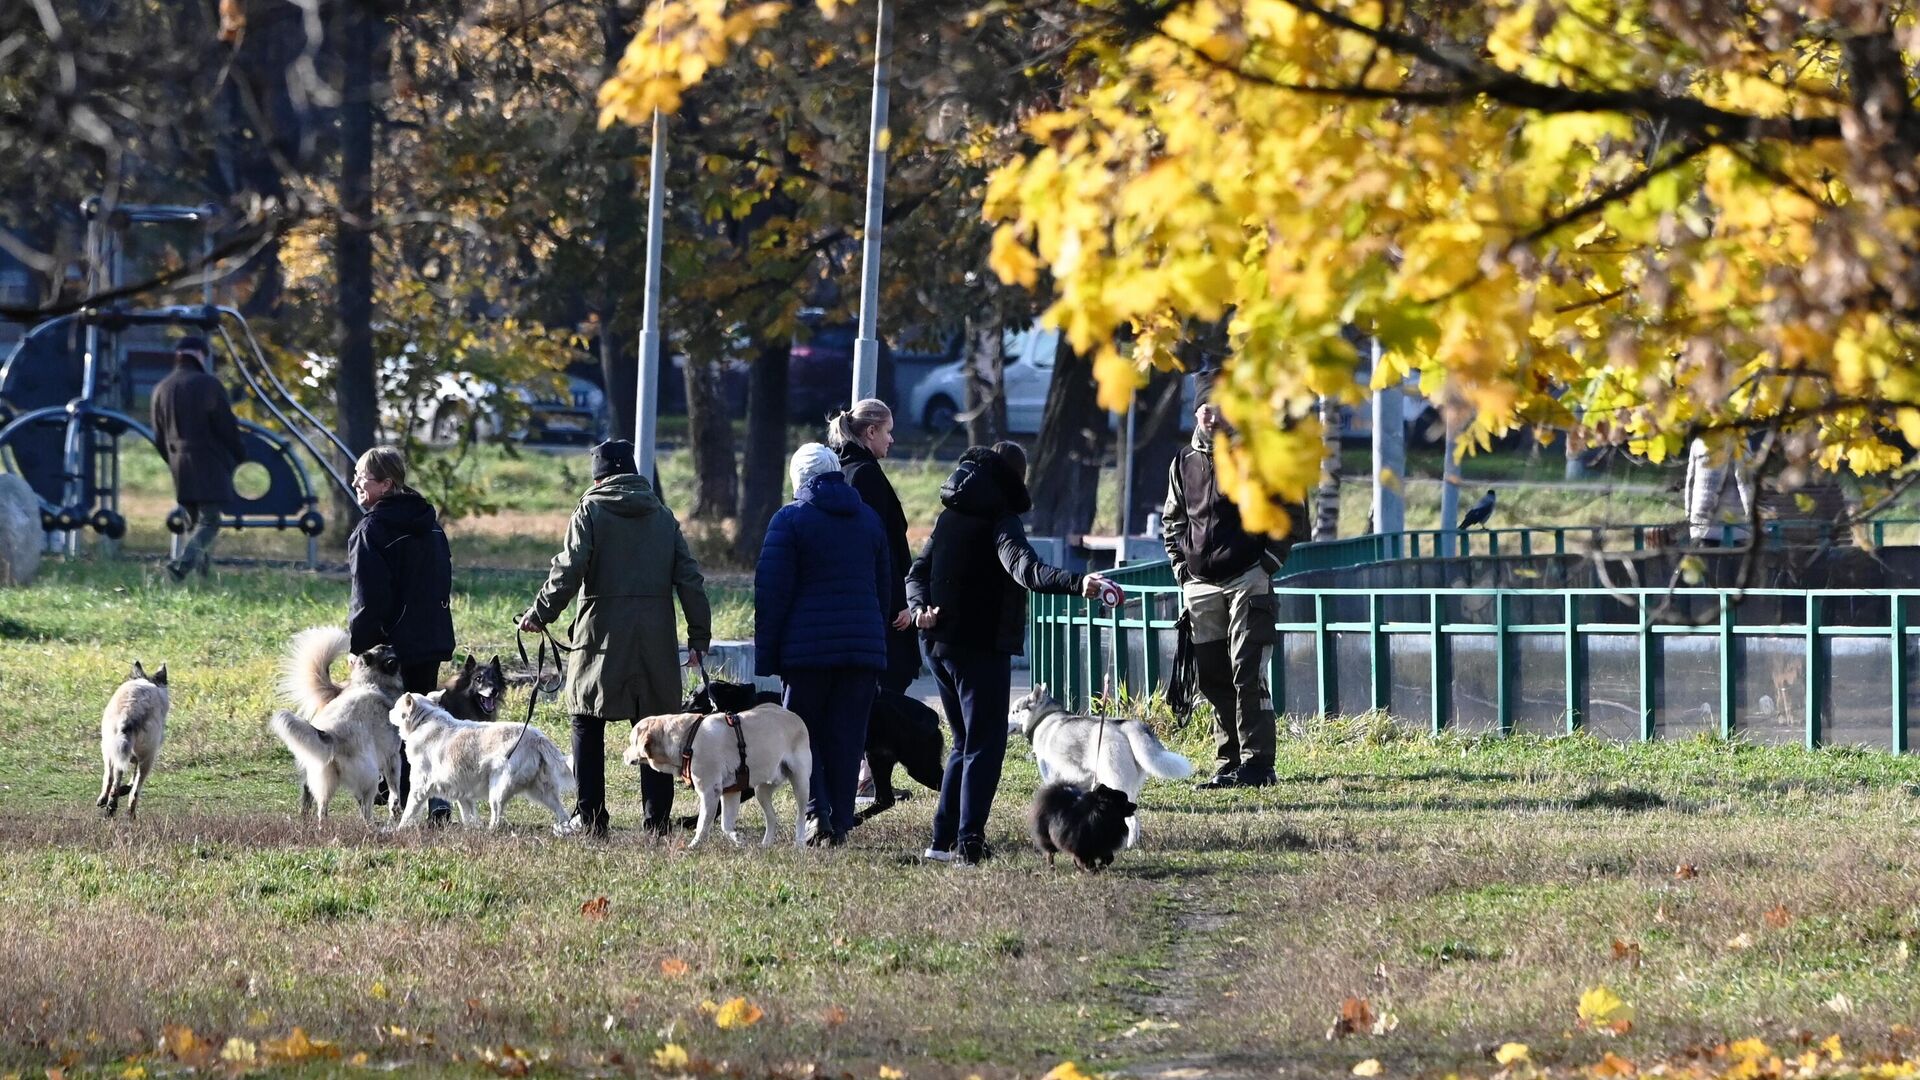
(1469, 890)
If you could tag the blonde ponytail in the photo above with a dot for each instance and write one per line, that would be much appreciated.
(851, 425)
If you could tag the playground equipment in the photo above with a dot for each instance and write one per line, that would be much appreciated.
(66, 390)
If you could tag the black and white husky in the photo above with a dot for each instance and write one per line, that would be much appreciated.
(1089, 751)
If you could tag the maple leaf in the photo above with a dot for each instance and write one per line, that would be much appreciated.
(670, 1058)
(1686, 872)
(1612, 1064)
(1369, 1067)
(1356, 1015)
(1066, 1070)
(1779, 917)
(888, 1072)
(596, 908)
(736, 1013)
(239, 1051)
(673, 967)
(1602, 1009)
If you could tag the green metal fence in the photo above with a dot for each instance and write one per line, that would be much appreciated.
(1487, 660)
(1814, 667)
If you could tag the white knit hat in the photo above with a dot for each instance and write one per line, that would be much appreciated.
(810, 461)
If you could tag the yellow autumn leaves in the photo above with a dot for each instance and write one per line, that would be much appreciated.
(676, 45)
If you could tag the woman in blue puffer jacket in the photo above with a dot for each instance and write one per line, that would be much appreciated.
(820, 597)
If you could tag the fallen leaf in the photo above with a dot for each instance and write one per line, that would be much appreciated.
(1356, 1015)
(1743, 940)
(888, 1072)
(709, 1007)
(834, 1016)
(670, 1057)
(1510, 1053)
(359, 1058)
(1628, 952)
(596, 908)
(1686, 872)
(1149, 1024)
(1750, 1050)
(1385, 1023)
(1612, 1064)
(133, 1072)
(1832, 1047)
(1840, 1004)
(1602, 1009)
(1779, 917)
(297, 1046)
(1369, 1067)
(378, 990)
(239, 1051)
(1066, 1070)
(258, 1018)
(737, 1013)
(673, 967)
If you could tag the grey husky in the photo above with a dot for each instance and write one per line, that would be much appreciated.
(132, 727)
(1089, 750)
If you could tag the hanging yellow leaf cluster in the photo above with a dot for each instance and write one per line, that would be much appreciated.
(675, 46)
(1635, 221)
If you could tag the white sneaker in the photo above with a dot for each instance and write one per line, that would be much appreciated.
(937, 855)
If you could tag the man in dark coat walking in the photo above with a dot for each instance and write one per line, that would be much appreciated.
(200, 440)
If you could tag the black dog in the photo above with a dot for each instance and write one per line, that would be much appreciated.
(900, 731)
(1091, 826)
(474, 692)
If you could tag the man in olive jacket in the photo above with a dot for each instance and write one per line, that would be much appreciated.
(627, 559)
(199, 439)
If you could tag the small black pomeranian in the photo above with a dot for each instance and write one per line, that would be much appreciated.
(1091, 826)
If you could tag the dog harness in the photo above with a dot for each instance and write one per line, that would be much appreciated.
(740, 775)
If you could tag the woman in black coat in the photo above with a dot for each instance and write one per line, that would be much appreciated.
(968, 595)
(861, 436)
(402, 575)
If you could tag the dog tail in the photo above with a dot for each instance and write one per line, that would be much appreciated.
(305, 678)
(561, 764)
(1154, 756)
(311, 747)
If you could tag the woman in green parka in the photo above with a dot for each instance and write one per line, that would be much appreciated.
(627, 559)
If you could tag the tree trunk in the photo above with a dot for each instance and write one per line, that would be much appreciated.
(1326, 497)
(1067, 454)
(986, 404)
(1157, 437)
(763, 488)
(355, 391)
(716, 488)
(619, 240)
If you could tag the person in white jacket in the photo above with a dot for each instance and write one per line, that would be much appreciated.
(1718, 493)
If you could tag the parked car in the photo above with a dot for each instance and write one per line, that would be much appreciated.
(820, 366)
(936, 403)
(575, 413)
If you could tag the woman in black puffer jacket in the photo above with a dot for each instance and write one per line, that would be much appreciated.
(968, 595)
(402, 575)
(861, 436)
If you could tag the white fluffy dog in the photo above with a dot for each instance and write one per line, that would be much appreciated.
(776, 742)
(341, 737)
(462, 762)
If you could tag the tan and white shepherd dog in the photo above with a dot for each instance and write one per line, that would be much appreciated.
(341, 737)
(132, 727)
(777, 747)
(463, 761)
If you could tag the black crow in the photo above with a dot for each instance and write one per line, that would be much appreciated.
(1481, 511)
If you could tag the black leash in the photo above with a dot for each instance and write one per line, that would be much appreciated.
(742, 775)
(539, 668)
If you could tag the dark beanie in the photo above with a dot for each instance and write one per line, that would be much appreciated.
(611, 458)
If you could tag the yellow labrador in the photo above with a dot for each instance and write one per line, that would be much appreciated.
(776, 746)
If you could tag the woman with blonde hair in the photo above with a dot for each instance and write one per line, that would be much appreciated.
(861, 436)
